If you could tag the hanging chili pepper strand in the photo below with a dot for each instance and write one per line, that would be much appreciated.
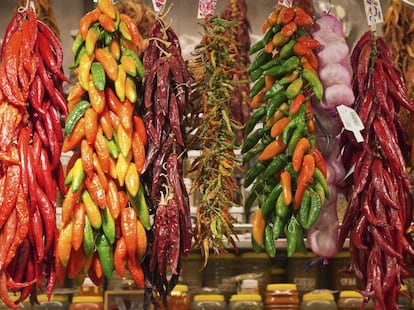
(285, 174)
(236, 10)
(378, 216)
(32, 106)
(166, 94)
(214, 136)
(104, 212)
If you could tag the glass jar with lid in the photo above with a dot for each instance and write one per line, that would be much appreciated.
(281, 296)
(318, 300)
(209, 302)
(179, 300)
(56, 302)
(352, 300)
(246, 302)
(83, 302)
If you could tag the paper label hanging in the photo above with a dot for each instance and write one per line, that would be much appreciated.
(206, 8)
(158, 4)
(373, 12)
(351, 121)
(286, 3)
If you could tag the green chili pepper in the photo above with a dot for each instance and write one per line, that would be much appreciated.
(252, 139)
(261, 58)
(288, 131)
(315, 83)
(254, 119)
(290, 77)
(78, 56)
(262, 42)
(297, 134)
(257, 87)
(253, 152)
(256, 191)
(140, 205)
(98, 75)
(278, 227)
(274, 103)
(135, 58)
(78, 174)
(88, 238)
(113, 148)
(294, 88)
(279, 39)
(304, 209)
(287, 50)
(106, 255)
(282, 209)
(292, 235)
(315, 209)
(256, 74)
(75, 114)
(274, 90)
(320, 191)
(253, 172)
(300, 240)
(269, 242)
(269, 203)
(77, 44)
(288, 66)
(319, 177)
(108, 225)
(275, 165)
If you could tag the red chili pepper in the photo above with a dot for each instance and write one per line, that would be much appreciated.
(6, 237)
(136, 271)
(12, 27)
(174, 240)
(48, 213)
(10, 193)
(309, 42)
(36, 231)
(4, 294)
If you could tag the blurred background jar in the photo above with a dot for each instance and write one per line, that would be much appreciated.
(257, 263)
(339, 279)
(246, 302)
(352, 300)
(209, 302)
(281, 296)
(318, 300)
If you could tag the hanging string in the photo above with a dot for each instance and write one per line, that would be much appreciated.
(29, 6)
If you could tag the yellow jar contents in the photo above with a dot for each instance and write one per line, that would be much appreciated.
(318, 300)
(179, 300)
(209, 302)
(352, 300)
(246, 302)
(87, 303)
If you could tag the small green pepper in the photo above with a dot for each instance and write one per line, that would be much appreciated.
(98, 75)
(138, 63)
(290, 77)
(297, 134)
(319, 177)
(282, 209)
(269, 242)
(269, 203)
(274, 103)
(256, 74)
(77, 44)
(315, 83)
(106, 255)
(261, 58)
(78, 174)
(253, 172)
(278, 227)
(287, 50)
(288, 66)
(304, 209)
(252, 139)
(274, 90)
(75, 115)
(315, 209)
(275, 165)
(257, 87)
(254, 119)
(113, 148)
(88, 238)
(108, 225)
(288, 131)
(262, 42)
(292, 233)
(253, 152)
(140, 205)
(294, 88)
(78, 56)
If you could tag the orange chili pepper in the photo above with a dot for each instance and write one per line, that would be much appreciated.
(96, 190)
(300, 49)
(91, 125)
(132, 27)
(107, 23)
(312, 60)
(107, 8)
(142, 240)
(268, 46)
(105, 123)
(129, 229)
(112, 199)
(301, 148)
(265, 26)
(125, 114)
(86, 21)
(278, 126)
(102, 151)
(257, 100)
(138, 152)
(112, 168)
(272, 149)
(289, 29)
(135, 271)
(286, 181)
(123, 200)
(320, 162)
(64, 244)
(108, 62)
(120, 256)
(273, 16)
(115, 48)
(258, 227)
(115, 122)
(288, 15)
(307, 169)
(296, 103)
(68, 205)
(76, 92)
(96, 97)
(309, 117)
(76, 136)
(98, 169)
(302, 19)
(300, 191)
(87, 158)
(309, 42)
(139, 128)
(78, 223)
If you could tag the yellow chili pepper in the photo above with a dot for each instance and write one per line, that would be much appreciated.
(121, 169)
(64, 244)
(120, 83)
(92, 210)
(132, 179)
(131, 90)
(108, 61)
(92, 37)
(85, 64)
(124, 140)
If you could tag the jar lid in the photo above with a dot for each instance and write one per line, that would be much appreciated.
(209, 297)
(254, 255)
(318, 296)
(87, 299)
(53, 297)
(278, 271)
(180, 287)
(245, 297)
(282, 287)
(250, 283)
(349, 294)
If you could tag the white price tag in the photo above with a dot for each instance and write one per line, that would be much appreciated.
(286, 3)
(351, 121)
(158, 5)
(373, 12)
(206, 8)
